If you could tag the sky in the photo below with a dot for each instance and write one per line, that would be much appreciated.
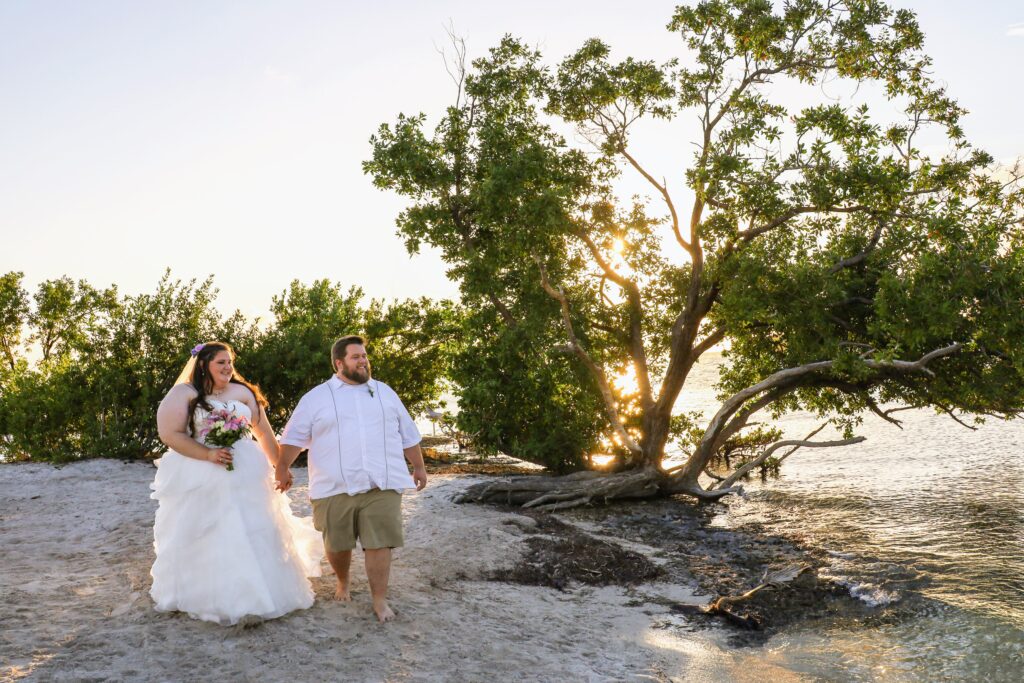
(226, 138)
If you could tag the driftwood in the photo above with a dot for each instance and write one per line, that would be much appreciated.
(723, 605)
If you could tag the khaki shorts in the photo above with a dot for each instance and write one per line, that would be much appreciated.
(374, 517)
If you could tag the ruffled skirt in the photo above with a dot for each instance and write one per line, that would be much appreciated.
(227, 544)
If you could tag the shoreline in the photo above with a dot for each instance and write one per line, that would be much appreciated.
(77, 543)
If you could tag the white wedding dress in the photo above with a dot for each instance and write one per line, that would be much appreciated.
(227, 544)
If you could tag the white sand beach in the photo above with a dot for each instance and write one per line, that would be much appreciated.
(76, 548)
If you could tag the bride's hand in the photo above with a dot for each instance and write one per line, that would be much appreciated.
(283, 479)
(219, 456)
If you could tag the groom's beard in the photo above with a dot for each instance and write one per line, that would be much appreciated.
(358, 375)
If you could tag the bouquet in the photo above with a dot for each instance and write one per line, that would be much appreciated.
(223, 428)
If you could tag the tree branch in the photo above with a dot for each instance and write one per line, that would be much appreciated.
(862, 256)
(636, 335)
(810, 436)
(956, 419)
(739, 421)
(595, 370)
(794, 377)
(663, 189)
(795, 443)
(612, 274)
(785, 217)
(709, 341)
(884, 414)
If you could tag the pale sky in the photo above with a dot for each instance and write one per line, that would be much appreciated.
(226, 138)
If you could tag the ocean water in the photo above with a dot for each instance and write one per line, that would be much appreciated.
(927, 519)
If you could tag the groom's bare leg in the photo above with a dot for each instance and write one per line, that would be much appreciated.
(378, 569)
(340, 563)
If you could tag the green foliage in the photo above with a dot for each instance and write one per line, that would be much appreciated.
(110, 363)
(493, 185)
(818, 233)
(66, 313)
(13, 311)
(135, 358)
(41, 412)
(111, 360)
(412, 344)
(409, 342)
(519, 398)
(294, 355)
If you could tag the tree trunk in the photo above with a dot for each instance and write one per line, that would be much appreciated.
(655, 431)
(584, 488)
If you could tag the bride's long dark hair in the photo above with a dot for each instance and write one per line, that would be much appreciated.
(202, 382)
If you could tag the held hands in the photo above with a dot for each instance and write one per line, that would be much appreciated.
(283, 478)
(219, 456)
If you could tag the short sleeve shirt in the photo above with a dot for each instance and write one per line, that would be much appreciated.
(356, 435)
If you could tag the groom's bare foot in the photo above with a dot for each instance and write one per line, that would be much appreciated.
(383, 612)
(341, 594)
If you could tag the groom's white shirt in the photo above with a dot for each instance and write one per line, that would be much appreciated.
(356, 435)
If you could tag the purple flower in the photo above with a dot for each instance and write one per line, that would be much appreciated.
(197, 348)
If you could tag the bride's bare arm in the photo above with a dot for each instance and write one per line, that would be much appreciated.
(172, 426)
(264, 434)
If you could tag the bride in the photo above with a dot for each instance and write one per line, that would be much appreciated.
(227, 544)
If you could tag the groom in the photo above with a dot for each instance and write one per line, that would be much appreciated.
(359, 436)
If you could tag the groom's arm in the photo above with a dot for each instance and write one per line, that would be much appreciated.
(295, 438)
(287, 455)
(282, 473)
(411, 444)
(419, 471)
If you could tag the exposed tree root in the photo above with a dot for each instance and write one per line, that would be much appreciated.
(679, 485)
(584, 488)
(559, 493)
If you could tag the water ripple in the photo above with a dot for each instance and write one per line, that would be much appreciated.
(932, 513)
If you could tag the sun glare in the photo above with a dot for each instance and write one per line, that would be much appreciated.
(625, 381)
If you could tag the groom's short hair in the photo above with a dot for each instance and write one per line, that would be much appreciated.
(340, 347)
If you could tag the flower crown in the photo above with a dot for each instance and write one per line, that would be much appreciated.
(196, 349)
